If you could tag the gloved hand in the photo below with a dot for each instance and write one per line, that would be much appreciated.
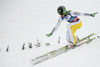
(48, 35)
(93, 14)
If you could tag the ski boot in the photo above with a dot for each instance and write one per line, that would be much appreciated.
(71, 45)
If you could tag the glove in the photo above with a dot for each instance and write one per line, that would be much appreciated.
(93, 15)
(48, 35)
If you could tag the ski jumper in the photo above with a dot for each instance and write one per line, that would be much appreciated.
(74, 24)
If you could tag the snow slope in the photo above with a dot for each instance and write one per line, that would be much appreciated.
(83, 56)
(24, 21)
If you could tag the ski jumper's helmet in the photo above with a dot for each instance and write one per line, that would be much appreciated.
(61, 10)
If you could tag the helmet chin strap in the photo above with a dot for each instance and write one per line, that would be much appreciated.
(65, 14)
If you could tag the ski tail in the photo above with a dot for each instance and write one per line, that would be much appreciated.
(80, 40)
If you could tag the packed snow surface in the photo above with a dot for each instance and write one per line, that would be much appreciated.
(25, 21)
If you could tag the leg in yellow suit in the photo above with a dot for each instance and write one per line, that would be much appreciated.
(72, 27)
